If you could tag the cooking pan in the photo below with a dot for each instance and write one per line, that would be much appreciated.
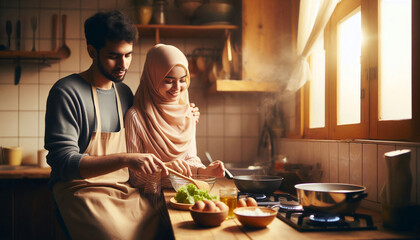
(334, 198)
(257, 183)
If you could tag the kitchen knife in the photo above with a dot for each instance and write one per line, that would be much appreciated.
(228, 174)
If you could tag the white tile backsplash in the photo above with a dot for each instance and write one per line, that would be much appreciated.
(215, 125)
(232, 149)
(9, 126)
(343, 163)
(28, 124)
(28, 97)
(333, 157)
(232, 125)
(355, 163)
(9, 97)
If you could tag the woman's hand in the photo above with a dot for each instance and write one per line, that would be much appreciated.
(195, 112)
(146, 163)
(180, 166)
(215, 169)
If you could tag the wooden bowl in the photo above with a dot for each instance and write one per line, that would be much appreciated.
(208, 219)
(249, 217)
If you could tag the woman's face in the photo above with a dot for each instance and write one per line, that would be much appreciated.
(173, 84)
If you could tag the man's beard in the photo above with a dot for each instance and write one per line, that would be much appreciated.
(109, 76)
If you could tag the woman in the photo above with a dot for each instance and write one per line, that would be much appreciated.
(161, 122)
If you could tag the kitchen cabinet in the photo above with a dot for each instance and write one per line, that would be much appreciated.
(26, 206)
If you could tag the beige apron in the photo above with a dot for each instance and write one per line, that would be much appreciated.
(105, 207)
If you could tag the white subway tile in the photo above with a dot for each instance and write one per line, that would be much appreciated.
(49, 4)
(333, 157)
(202, 126)
(215, 125)
(216, 147)
(29, 74)
(356, 163)
(48, 77)
(232, 149)
(201, 149)
(30, 150)
(215, 104)
(343, 162)
(28, 124)
(70, 4)
(249, 149)
(233, 103)
(250, 104)
(9, 126)
(41, 123)
(370, 171)
(28, 97)
(89, 4)
(325, 163)
(232, 125)
(9, 97)
(44, 90)
(199, 99)
(249, 124)
(107, 4)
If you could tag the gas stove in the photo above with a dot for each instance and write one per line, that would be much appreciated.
(305, 220)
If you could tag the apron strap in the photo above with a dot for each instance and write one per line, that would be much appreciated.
(119, 107)
(97, 112)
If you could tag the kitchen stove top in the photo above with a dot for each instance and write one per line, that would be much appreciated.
(302, 220)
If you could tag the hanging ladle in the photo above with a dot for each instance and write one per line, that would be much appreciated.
(200, 184)
(64, 51)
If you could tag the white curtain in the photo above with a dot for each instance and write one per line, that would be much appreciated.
(313, 16)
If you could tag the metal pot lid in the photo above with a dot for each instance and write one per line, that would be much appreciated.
(330, 187)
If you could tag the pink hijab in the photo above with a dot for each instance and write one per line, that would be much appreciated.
(167, 129)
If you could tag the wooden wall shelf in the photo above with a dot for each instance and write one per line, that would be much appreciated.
(243, 86)
(184, 31)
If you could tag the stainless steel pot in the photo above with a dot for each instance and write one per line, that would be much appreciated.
(257, 183)
(330, 197)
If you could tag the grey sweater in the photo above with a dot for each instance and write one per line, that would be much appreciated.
(70, 122)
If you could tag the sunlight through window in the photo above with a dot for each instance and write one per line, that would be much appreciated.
(395, 60)
(349, 45)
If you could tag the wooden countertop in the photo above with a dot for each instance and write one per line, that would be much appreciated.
(184, 227)
(10, 172)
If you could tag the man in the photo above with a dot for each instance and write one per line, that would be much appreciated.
(85, 137)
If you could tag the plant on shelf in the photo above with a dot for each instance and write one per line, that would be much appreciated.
(144, 10)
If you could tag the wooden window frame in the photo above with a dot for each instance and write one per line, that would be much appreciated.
(370, 127)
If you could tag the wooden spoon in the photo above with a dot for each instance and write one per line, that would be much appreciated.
(64, 51)
(200, 184)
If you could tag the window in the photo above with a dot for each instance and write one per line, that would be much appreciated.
(362, 80)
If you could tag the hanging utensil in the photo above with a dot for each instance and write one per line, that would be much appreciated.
(9, 32)
(54, 32)
(18, 68)
(34, 26)
(64, 51)
(227, 58)
(200, 184)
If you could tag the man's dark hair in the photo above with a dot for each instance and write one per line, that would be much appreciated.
(112, 26)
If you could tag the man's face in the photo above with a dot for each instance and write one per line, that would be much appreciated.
(114, 60)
